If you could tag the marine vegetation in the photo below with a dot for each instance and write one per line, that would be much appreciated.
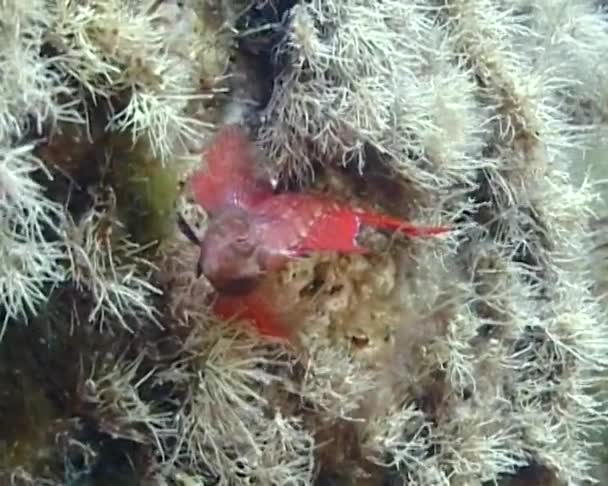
(416, 204)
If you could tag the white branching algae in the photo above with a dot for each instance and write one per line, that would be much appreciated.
(472, 359)
(29, 262)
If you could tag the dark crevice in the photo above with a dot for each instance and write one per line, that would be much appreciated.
(261, 29)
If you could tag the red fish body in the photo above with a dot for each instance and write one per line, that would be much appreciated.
(253, 231)
(255, 308)
(298, 224)
(233, 176)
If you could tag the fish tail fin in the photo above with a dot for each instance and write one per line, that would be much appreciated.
(384, 222)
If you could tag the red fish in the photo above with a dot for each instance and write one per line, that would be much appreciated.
(255, 307)
(254, 231)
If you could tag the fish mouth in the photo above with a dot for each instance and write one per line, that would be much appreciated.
(236, 287)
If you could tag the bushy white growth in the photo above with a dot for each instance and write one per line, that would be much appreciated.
(568, 38)
(228, 427)
(334, 385)
(480, 107)
(160, 120)
(45, 48)
(370, 80)
(33, 93)
(110, 269)
(113, 385)
(117, 49)
(29, 263)
(31, 96)
(497, 97)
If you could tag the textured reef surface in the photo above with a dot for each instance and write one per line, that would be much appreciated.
(477, 358)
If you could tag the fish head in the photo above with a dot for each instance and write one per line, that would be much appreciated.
(230, 253)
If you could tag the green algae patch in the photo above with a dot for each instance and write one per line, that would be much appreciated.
(146, 191)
